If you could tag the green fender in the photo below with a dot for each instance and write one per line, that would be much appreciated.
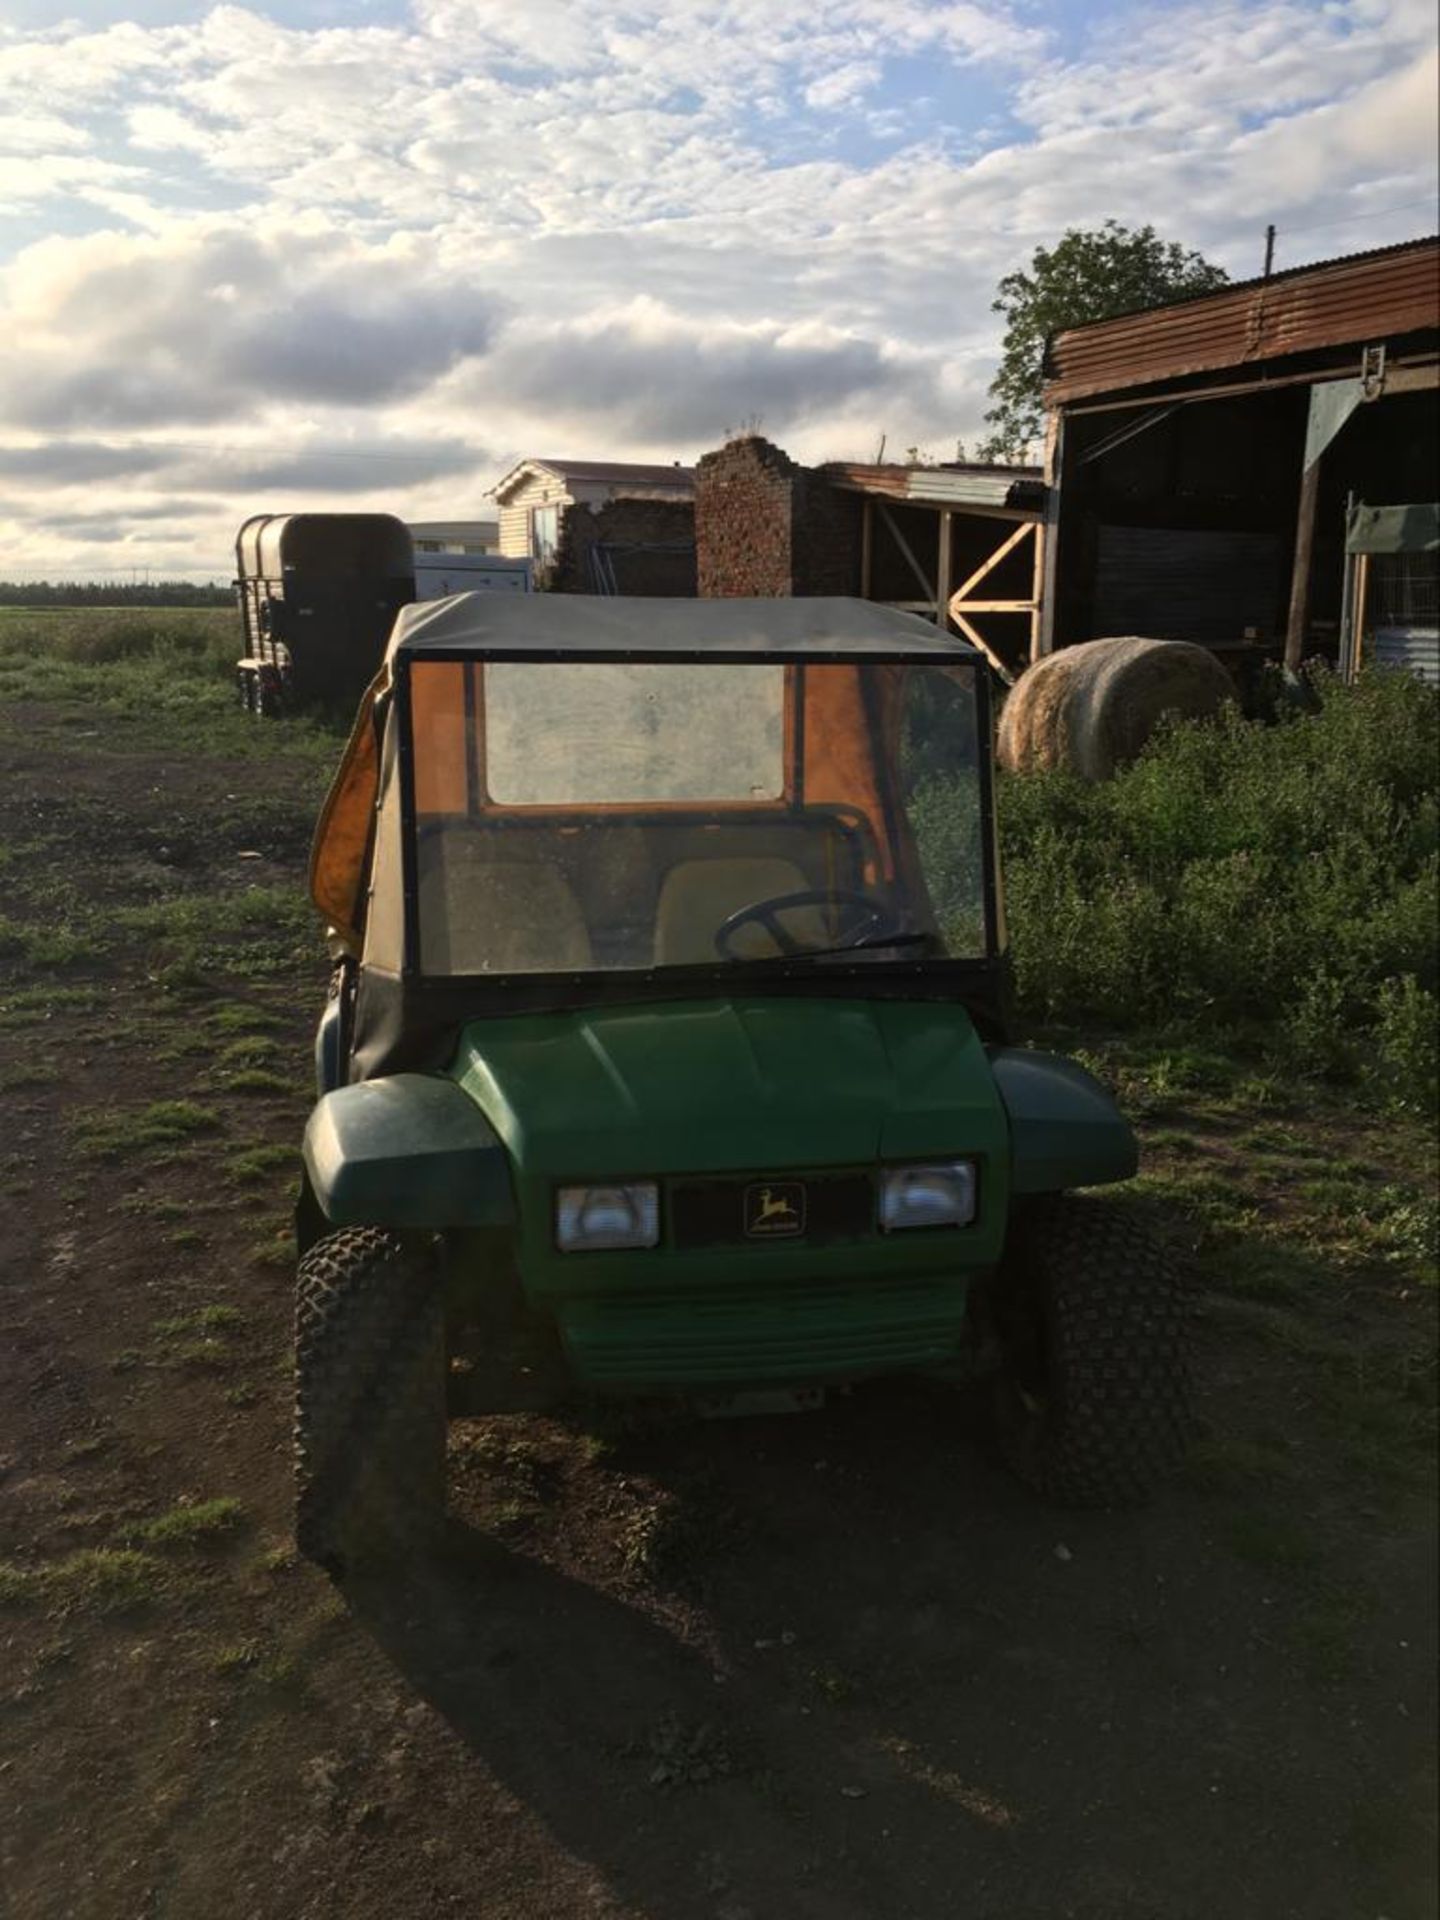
(409, 1150)
(1065, 1130)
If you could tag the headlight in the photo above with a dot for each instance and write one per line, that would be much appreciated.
(941, 1196)
(589, 1218)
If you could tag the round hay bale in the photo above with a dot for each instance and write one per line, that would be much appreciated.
(1093, 707)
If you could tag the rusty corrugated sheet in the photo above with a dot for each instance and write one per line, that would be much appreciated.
(1357, 301)
(950, 486)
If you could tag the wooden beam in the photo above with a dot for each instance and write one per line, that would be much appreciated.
(1006, 546)
(1299, 618)
(906, 549)
(992, 606)
(977, 640)
(942, 567)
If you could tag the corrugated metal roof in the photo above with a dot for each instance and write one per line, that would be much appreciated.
(950, 486)
(1357, 300)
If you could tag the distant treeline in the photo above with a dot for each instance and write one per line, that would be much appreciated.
(102, 593)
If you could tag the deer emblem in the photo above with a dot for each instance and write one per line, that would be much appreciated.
(772, 1210)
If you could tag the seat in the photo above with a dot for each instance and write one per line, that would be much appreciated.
(480, 913)
(698, 896)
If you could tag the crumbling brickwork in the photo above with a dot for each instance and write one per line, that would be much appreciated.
(644, 547)
(768, 528)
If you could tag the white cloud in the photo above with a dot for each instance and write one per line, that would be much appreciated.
(617, 230)
(842, 86)
(213, 321)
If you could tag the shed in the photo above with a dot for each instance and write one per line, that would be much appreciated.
(536, 495)
(1204, 456)
(960, 543)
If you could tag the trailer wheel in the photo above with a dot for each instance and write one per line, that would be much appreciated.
(370, 1416)
(1094, 1402)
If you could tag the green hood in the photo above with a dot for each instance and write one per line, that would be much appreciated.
(732, 1085)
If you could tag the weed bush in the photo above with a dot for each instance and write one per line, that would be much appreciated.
(1276, 882)
(200, 641)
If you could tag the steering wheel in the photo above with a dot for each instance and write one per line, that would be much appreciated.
(875, 917)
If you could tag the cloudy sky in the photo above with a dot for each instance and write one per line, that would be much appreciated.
(366, 253)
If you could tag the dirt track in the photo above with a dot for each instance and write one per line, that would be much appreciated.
(836, 1667)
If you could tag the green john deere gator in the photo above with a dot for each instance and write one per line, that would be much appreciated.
(665, 1056)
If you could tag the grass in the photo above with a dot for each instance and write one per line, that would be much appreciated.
(217, 1318)
(102, 1580)
(110, 1133)
(190, 1524)
(259, 1162)
(258, 1081)
(33, 1004)
(148, 675)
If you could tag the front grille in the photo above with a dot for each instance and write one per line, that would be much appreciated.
(715, 1213)
(792, 1333)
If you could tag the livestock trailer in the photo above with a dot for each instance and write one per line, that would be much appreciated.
(318, 595)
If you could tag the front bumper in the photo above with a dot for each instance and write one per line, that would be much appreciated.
(794, 1333)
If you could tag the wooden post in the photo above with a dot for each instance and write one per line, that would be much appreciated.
(1300, 573)
(1362, 593)
(942, 571)
(867, 546)
(1044, 641)
(1037, 592)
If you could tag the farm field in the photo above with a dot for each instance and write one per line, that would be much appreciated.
(834, 1667)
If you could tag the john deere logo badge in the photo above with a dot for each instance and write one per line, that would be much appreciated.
(774, 1211)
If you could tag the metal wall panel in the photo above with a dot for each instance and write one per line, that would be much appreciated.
(1413, 649)
(1182, 583)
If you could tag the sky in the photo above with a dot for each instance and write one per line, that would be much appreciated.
(366, 254)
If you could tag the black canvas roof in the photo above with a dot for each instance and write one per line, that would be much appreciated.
(550, 624)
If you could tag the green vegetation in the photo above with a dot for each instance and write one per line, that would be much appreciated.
(149, 674)
(259, 1161)
(109, 594)
(1272, 888)
(109, 1132)
(190, 1524)
(218, 1318)
(94, 1580)
(1089, 274)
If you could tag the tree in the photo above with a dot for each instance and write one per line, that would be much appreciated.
(1089, 274)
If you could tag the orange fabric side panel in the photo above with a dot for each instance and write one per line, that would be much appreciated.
(839, 750)
(337, 853)
(437, 728)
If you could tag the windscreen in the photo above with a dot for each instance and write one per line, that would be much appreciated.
(612, 816)
(614, 733)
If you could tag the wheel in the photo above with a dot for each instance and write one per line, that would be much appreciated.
(1094, 1401)
(370, 1368)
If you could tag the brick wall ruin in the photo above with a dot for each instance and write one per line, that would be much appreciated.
(768, 528)
(644, 547)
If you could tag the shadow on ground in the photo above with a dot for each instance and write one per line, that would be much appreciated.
(864, 1676)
